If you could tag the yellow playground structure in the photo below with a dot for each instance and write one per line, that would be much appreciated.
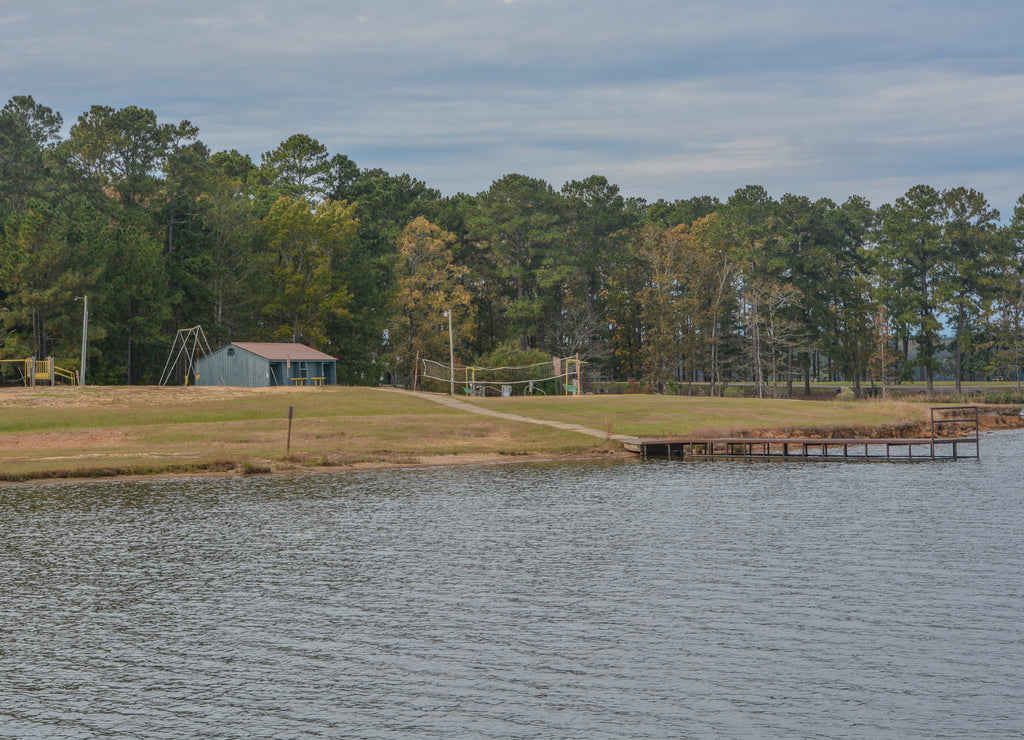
(43, 372)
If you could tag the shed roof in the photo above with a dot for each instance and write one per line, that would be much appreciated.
(283, 351)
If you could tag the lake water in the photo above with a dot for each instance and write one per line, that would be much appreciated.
(570, 600)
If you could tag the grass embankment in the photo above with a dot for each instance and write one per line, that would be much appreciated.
(101, 431)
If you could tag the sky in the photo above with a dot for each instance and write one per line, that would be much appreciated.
(666, 98)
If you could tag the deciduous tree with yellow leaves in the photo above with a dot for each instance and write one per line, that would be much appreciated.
(428, 283)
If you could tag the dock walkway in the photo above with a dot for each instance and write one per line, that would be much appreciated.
(742, 448)
(952, 429)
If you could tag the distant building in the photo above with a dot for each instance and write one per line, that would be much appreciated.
(263, 364)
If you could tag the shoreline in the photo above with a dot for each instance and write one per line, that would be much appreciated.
(289, 469)
(130, 433)
(430, 461)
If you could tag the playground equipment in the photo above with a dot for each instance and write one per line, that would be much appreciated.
(190, 345)
(43, 372)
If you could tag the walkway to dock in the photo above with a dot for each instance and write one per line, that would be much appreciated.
(455, 403)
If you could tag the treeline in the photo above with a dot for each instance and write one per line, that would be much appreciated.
(161, 233)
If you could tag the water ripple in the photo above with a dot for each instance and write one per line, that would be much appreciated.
(612, 600)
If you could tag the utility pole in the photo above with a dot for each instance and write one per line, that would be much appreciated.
(85, 335)
(451, 354)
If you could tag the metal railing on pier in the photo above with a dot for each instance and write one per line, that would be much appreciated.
(952, 430)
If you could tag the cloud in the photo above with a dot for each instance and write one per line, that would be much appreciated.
(667, 98)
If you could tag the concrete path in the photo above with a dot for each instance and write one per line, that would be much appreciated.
(455, 403)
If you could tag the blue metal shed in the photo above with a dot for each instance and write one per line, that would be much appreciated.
(263, 364)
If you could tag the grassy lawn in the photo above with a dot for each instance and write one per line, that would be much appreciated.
(662, 416)
(81, 432)
(62, 431)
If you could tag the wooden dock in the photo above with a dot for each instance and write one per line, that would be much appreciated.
(954, 436)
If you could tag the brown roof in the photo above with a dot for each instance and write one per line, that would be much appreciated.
(283, 351)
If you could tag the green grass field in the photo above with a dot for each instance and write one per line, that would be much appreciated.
(82, 432)
(658, 416)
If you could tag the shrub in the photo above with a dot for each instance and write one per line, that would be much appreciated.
(1004, 396)
(510, 354)
(251, 468)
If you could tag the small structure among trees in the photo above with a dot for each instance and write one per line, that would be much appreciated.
(265, 364)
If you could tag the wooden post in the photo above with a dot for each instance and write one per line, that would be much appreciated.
(85, 337)
(451, 355)
(291, 413)
(416, 370)
(933, 434)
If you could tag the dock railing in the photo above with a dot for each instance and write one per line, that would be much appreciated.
(964, 423)
(951, 428)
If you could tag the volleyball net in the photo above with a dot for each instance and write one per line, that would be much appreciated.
(561, 375)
